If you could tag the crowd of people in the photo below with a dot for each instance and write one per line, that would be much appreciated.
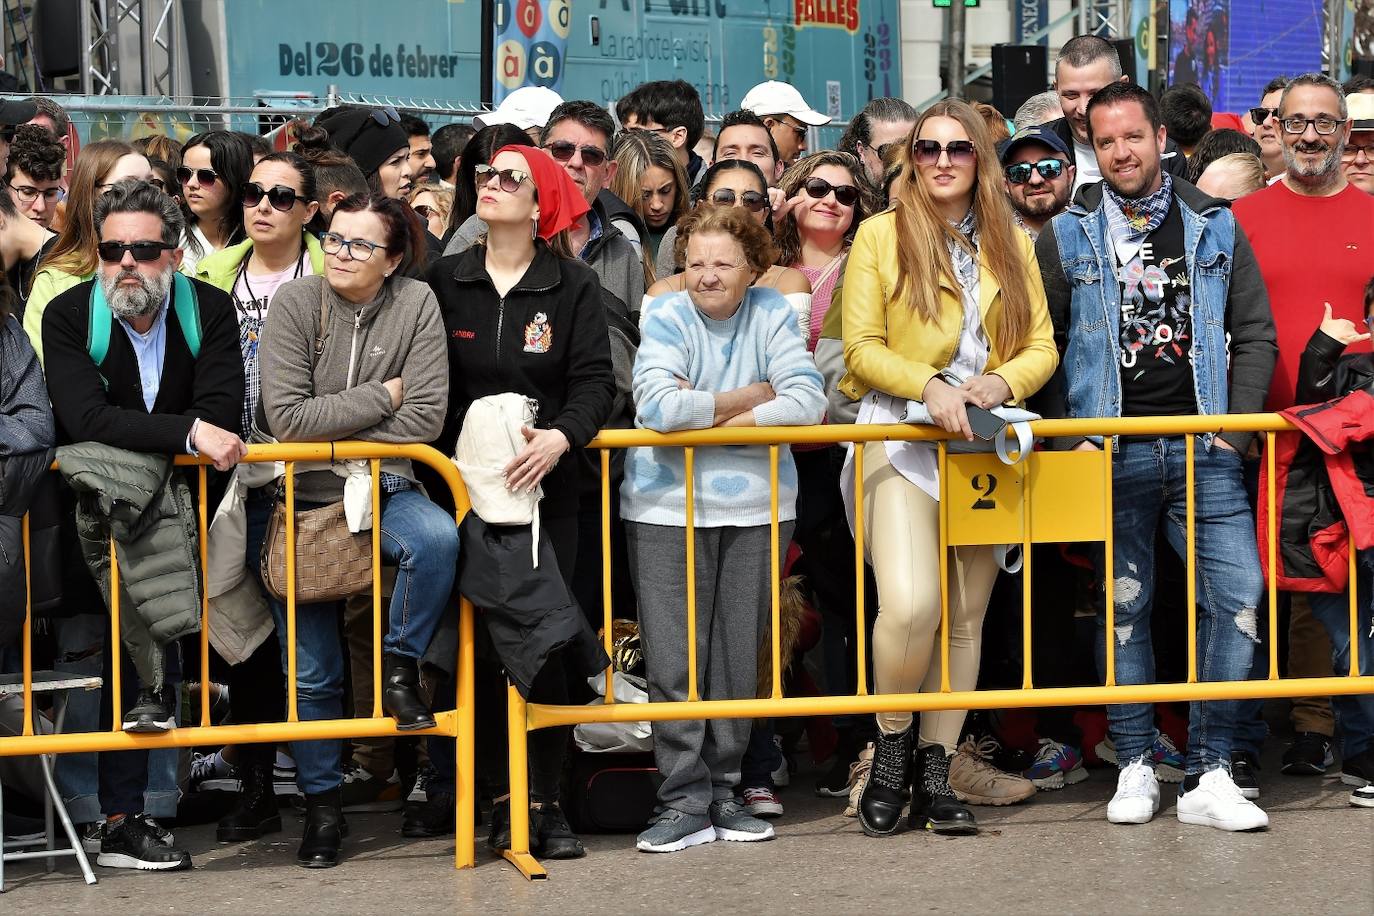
(1098, 253)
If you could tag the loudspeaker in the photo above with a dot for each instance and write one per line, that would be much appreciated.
(1018, 72)
(57, 38)
(1125, 49)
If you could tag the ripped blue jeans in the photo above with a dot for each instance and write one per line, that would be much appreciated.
(1149, 489)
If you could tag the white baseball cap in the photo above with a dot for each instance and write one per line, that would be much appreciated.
(526, 107)
(778, 98)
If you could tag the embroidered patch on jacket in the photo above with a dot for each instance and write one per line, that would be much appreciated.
(538, 334)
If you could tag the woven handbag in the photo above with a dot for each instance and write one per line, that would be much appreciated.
(332, 562)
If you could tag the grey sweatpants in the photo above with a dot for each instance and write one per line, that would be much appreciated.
(700, 759)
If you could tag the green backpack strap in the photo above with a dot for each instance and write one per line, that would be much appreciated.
(187, 306)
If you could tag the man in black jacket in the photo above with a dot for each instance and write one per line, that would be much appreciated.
(162, 385)
(1086, 64)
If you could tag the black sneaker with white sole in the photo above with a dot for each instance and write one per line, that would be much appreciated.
(1245, 769)
(132, 843)
(1358, 769)
(1308, 755)
(150, 713)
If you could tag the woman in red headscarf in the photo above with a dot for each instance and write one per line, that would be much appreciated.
(524, 315)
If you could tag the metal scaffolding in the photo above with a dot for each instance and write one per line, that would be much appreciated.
(105, 65)
(1108, 18)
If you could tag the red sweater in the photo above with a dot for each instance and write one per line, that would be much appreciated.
(1310, 250)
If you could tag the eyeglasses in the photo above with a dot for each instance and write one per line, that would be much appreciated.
(510, 179)
(385, 116)
(846, 195)
(1020, 172)
(927, 152)
(799, 131)
(425, 211)
(358, 249)
(143, 252)
(28, 194)
(205, 177)
(1322, 124)
(1352, 151)
(564, 150)
(753, 201)
(279, 196)
(1259, 115)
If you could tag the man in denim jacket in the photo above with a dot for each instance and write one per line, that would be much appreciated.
(1160, 310)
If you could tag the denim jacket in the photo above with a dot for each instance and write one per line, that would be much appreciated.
(1234, 347)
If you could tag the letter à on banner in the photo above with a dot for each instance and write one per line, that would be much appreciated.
(840, 14)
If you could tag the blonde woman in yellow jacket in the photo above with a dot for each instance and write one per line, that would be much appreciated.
(942, 304)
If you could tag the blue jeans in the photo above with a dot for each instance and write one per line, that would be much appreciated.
(422, 540)
(1149, 487)
(1354, 714)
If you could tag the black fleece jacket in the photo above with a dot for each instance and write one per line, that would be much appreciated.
(209, 387)
(545, 339)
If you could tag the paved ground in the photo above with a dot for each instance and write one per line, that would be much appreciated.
(1055, 854)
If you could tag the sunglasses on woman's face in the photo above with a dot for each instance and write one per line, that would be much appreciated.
(279, 196)
(927, 152)
(753, 201)
(846, 195)
(510, 179)
(425, 211)
(1020, 172)
(205, 177)
(143, 252)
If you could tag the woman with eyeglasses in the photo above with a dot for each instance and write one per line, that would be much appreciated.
(358, 353)
(649, 177)
(524, 315)
(72, 258)
(214, 167)
(943, 304)
(739, 183)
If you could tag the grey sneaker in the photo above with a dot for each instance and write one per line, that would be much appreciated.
(674, 830)
(732, 822)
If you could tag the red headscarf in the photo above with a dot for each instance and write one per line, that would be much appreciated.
(560, 199)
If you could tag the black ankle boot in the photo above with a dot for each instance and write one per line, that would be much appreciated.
(401, 694)
(256, 813)
(880, 804)
(933, 803)
(324, 830)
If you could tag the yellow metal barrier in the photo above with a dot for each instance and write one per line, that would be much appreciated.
(982, 502)
(458, 723)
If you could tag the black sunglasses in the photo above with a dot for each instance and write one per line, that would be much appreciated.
(424, 211)
(1260, 115)
(113, 252)
(753, 201)
(1020, 172)
(279, 196)
(206, 177)
(385, 116)
(846, 195)
(927, 152)
(510, 179)
(564, 150)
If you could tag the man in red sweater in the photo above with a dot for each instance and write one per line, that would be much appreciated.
(1313, 232)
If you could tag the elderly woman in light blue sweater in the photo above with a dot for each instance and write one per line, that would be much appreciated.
(719, 353)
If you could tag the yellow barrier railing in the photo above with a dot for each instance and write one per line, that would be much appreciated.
(1000, 509)
(458, 723)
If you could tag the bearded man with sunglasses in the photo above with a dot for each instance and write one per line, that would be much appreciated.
(149, 362)
(1160, 310)
(1038, 171)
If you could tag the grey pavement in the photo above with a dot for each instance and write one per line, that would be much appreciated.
(1055, 854)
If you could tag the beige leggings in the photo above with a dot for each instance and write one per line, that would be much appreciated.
(902, 530)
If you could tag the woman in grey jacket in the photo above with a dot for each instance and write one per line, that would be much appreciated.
(376, 370)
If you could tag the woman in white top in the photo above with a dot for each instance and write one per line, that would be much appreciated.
(214, 167)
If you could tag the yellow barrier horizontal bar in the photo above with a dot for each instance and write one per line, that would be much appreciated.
(897, 432)
(324, 729)
(541, 716)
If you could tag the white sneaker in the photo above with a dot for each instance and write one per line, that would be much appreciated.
(1137, 795)
(1217, 802)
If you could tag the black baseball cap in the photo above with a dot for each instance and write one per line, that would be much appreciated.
(16, 111)
(1033, 134)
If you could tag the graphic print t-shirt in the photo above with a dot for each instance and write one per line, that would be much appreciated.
(1157, 326)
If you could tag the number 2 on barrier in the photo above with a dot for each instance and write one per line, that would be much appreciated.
(985, 485)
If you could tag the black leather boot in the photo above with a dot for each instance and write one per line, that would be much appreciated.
(324, 830)
(885, 793)
(933, 803)
(256, 813)
(401, 694)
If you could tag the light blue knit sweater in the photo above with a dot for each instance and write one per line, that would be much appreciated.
(759, 343)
